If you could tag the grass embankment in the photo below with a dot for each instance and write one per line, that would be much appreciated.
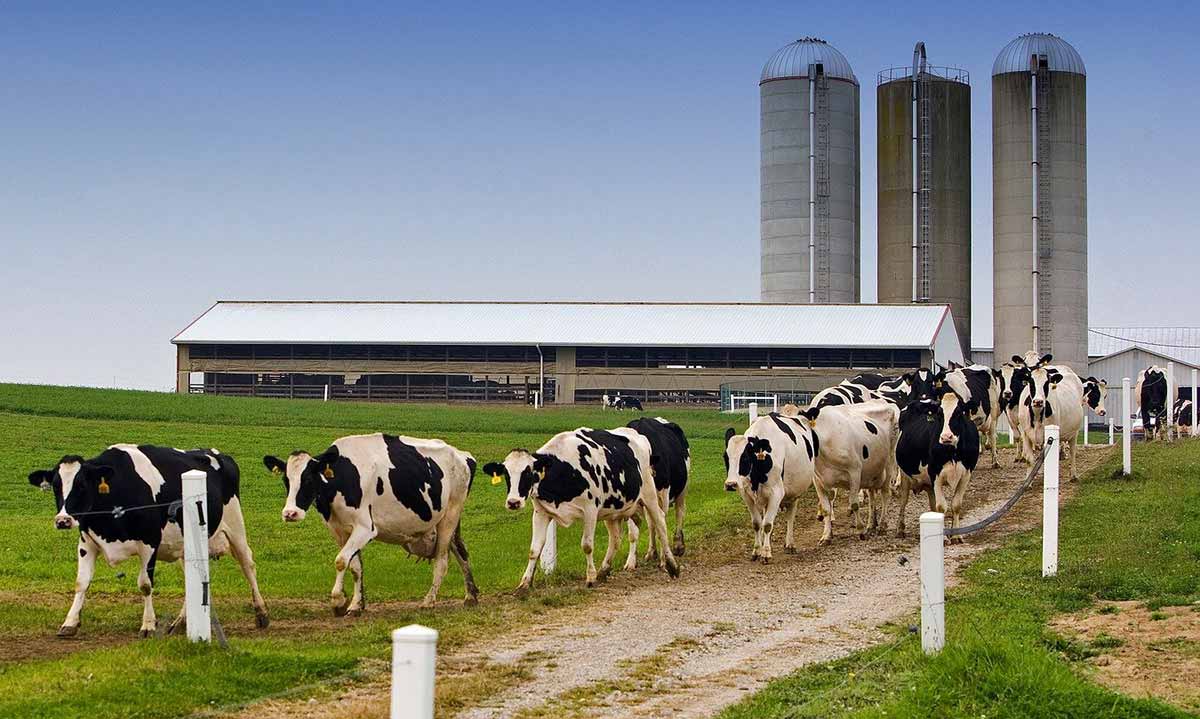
(106, 673)
(1120, 539)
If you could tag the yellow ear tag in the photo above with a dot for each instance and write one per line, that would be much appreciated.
(103, 489)
(760, 454)
(497, 478)
(328, 472)
(276, 470)
(541, 474)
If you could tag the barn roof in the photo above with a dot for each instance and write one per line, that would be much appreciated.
(578, 324)
(1177, 343)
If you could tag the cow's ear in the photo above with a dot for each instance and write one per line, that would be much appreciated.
(1018, 360)
(1056, 378)
(540, 464)
(997, 373)
(1046, 359)
(972, 406)
(495, 471)
(1093, 379)
(908, 377)
(274, 464)
(811, 413)
(41, 478)
(729, 433)
(100, 474)
(326, 460)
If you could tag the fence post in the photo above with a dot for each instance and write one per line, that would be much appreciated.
(1050, 503)
(933, 582)
(195, 555)
(1195, 399)
(1170, 400)
(753, 412)
(326, 395)
(1127, 432)
(1085, 429)
(1111, 432)
(414, 653)
(549, 558)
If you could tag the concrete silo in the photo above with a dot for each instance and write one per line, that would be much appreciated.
(810, 175)
(1039, 199)
(924, 123)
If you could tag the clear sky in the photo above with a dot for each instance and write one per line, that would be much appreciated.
(157, 158)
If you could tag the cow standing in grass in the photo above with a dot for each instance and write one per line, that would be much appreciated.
(397, 490)
(86, 492)
(1150, 393)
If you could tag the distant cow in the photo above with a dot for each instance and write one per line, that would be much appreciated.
(937, 451)
(394, 489)
(590, 475)
(620, 402)
(770, 465)
(979, 384)
(1183, 416)
(1150, 393)
(670, 463)
(1054, 395)
(86, 491)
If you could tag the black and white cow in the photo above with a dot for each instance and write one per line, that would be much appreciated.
(937, 451)
(670, 463)
(620, 402)
(842, 394)
(1182, 412)
(857, 452)
(1095, 391)
(397, 490)
(979, 384)
(1150, 393)
(1054, 395)
(770, 465)
(86, 491)
(590, 475)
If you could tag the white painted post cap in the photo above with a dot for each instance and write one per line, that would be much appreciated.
(932, 518)
(414, 634)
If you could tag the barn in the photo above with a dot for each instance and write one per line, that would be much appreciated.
(1118, 352)
(574, 351)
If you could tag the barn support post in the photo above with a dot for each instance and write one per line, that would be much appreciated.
(549, 558)
(933, 582)
(1127, 430)
(414, 653)
(1170, 400)
(195, 556)
(1050, 503)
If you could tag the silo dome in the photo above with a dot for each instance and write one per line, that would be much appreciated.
(791, 61)
(1015, 55)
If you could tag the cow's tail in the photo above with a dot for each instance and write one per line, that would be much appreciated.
(230, 474)
(459, 545)
(471, 465)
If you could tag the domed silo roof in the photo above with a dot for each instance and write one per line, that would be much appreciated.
(791, 61)
(1059, 53)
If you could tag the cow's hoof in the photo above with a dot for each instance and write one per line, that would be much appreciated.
(472, 600)
(603, 575)
(261, 620)
(678, 549)
(521, 592)
(589, 583)
(995, 465)
(356, 611)
(824, 542)
(145, 633)
(789, 550)
(672, 568)
(68, 630)
(340, 610)
(766, 560)
(177, 625)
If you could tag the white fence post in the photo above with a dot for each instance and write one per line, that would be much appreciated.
(549, 558)
(414, 653)
(933, 582)
(1085, 430)
(1170, 400)
(1111, 432)
(195, 555)
(1195, 399)
(753, 412)
(1127, 432)
(1050, 504)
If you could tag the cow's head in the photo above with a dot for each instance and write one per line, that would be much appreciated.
(305, 477)
(526, 467)
(77, 486)
(1014, 378)
(954, 414)
(1095, 391)
(1032, 360)
(747, 460)
(922, 383)
(1042, 382)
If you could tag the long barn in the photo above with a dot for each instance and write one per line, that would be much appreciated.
(572, 351)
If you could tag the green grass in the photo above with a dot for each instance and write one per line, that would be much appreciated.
(119, 676)
(1120, 539)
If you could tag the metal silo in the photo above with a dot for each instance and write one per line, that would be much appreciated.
(810, 175)
(924, 123)
(1039, 199)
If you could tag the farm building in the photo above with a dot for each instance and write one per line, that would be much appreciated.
(575, 351)
(1118, 352)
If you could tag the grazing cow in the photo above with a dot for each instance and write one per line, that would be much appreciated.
(857, 452)
(397, 490)
(620, 402)
(770, 466)
(1054, 395)
(86, 492)
(670, 463)
(979, 383)
(1151, 396)
(592, 475)
(937, 450)
(1182, 412)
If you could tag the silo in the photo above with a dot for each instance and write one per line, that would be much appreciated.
(810, 175)
(924, 163)
(1039, 199)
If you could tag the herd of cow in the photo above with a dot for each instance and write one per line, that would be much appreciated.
(868, 436)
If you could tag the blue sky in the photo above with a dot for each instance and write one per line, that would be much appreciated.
(157, 158)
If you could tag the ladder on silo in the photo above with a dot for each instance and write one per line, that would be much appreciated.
(1045, 211)
(821, 142)
(925, 207)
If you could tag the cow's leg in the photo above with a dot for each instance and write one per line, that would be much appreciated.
(824, 507)
(1071, 450)
(956, 503)
(541, 521)
(885, 501)
(614, 540)
(635, 533)
(749, 498)
(587, 542)
(235, 529)
(652, 545)
(359, 537)
(446, 528)
(789, 540)
(148, 556)
(658, 525)
(905, 484)
(464, 564)
(768, 524)
(680, 511)
(85, 569)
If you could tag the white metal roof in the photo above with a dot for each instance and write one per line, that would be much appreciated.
(1059, 54)
(1179, 343)
(793, 61)
(575, 324)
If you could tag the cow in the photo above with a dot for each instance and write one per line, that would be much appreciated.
(1150, 393)
(1095, 391)
(857, 452)
(144, 481)
(936, 452)
(590, 475)
(1182, 412)
(395, 489)
(670, 464)
(1054, 395)
(979, 383)
(620, 402)
(770, 465)
(842, 394)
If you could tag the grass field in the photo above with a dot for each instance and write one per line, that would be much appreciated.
(112, 674)
(1135, 539)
